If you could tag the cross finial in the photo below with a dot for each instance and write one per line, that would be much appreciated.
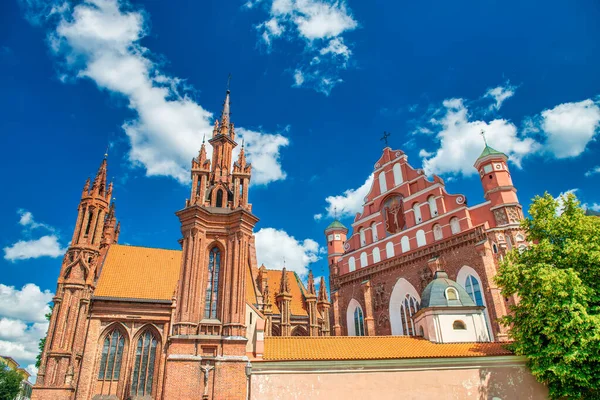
(203, 137)
(242, 143)
(483, 135)
(385, 136)
(228, 81)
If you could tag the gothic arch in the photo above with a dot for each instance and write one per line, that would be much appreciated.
(399, 292)
(461, 279)
(105, 369)
(299, 331)
(139, 342)
(352, 306)
(275, 330)
(79, 261)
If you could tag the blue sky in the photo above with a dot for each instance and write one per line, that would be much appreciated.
(314, 85)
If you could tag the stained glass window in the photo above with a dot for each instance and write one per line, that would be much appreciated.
(112, 352)
(473, 290)
(212, 287)
(359, 324)
(409, 307)
(143, 369)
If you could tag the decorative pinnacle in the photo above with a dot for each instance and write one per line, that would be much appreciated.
(203, 138)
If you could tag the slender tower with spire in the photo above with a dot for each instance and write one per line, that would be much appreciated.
(210, 306)
(95, 228)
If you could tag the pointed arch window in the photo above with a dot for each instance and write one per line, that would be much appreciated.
(359, 323)
(473, 289)
(409, 307)
(212, 286)
(219, 198)
(112, 353)
(144, 365)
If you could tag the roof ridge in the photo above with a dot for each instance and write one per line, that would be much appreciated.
(143, 247)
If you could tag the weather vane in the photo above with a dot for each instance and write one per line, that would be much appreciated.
(385, 136)
(483, 135)
(335, 212)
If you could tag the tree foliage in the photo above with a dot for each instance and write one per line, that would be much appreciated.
(42, 343)
(556, 323)
(10, 383)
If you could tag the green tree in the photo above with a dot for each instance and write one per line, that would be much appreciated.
(10, 383)
(556, 323)
(42, 343)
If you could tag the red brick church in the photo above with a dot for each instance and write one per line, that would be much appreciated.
(413, 306)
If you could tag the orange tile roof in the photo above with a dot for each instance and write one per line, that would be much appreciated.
(133, 272)
(296, 290)
(372, 348)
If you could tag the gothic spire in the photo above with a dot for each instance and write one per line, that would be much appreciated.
(322, 291)
(284, 286)
(99, 184)
(311, 283)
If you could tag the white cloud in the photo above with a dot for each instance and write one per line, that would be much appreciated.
(350, 202)
(499, 94)
(318, 217)
(593, 171)
(569, 127)
(28, 221)
(263, 152)
(461, 143)
(28, 304)
(319, 24)
(100, 40)
(23, 322)
(298, 78)
(273, 246)
(46, 246)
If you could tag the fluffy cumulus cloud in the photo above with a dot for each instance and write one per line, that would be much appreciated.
(348, 203)
(460, 140)
(100, 40)
(561, 132)
(273, 246)
(319, 25)
(569, 127)
(24, 249)
(499, 94)
(46, 246)
(263, 152)
(23, 322)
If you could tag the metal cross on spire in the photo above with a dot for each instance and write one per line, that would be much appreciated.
(385, 136)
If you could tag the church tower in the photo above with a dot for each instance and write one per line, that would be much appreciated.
(209, 327)
(498, 186)
(336, 238)
(95, 228)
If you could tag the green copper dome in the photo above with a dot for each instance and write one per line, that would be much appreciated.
(435, 294)
(488, 151)
(336, 225)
